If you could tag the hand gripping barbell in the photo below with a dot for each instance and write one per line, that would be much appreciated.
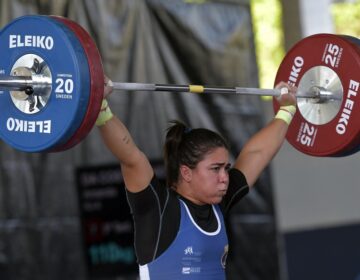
(51, 88)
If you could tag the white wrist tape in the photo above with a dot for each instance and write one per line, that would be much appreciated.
(105, 114)
(286, 113)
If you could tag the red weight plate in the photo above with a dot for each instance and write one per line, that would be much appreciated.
(354, 147)
(312, 131)
(96, 82)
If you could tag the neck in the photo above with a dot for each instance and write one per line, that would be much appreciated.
(185, 191)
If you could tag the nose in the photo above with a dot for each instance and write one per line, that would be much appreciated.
(224, 176)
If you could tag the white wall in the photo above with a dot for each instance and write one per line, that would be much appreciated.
(315, 17)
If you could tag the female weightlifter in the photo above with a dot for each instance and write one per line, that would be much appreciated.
(179, 228)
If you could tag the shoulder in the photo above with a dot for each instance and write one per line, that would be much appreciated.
(155, 196)
(237, 189)
(152, 196)
(236, 177)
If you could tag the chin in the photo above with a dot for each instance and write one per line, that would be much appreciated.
(216, 200)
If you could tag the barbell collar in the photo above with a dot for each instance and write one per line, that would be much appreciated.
(24, 83)
(15, 83)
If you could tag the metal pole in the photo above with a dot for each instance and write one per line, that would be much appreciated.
(24, 83)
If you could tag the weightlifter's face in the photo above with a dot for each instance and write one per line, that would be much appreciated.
(210, 177)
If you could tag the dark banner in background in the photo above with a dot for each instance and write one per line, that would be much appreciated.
(106, 222)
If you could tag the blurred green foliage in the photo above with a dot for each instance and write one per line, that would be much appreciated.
(346, 17)
(267, 24)
(268, 32)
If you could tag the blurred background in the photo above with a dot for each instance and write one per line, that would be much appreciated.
(64, 215)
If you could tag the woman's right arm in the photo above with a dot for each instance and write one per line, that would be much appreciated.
(135, 166)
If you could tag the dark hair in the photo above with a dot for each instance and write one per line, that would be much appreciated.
(186, 146)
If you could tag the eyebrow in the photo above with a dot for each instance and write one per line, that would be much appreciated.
(227, 164)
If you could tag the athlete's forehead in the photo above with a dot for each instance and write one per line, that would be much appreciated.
(217, 156)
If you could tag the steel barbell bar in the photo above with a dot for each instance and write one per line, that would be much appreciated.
(28, 83)
(315, 93)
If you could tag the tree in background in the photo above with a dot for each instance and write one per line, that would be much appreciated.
(269, 39)
(267, 25)
(346, 18)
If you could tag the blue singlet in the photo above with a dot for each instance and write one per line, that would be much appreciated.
(194, 254)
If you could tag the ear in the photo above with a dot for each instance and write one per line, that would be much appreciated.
(186, 173)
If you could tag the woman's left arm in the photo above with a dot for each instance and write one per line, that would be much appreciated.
(264, 145)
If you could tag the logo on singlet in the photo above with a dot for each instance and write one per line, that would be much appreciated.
(224, 256)
(191, 261)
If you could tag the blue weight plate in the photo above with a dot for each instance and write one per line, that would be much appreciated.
(64, 111)
(96, 84)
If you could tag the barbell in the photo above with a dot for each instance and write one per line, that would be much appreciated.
(52, 83)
